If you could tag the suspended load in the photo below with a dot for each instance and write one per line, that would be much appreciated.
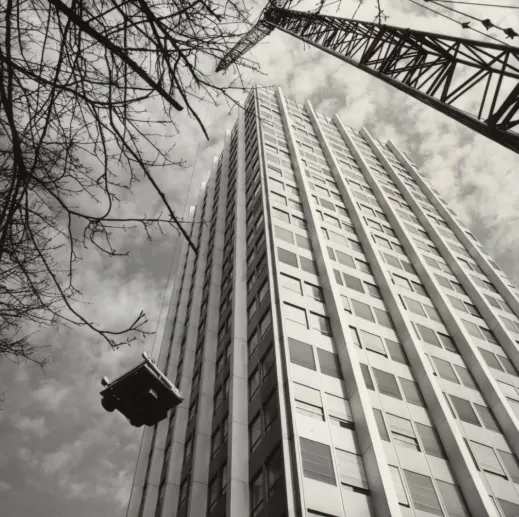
(144, 395)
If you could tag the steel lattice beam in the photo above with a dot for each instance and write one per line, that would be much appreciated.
(474, 82)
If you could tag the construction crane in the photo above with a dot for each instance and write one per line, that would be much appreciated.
(473, 82)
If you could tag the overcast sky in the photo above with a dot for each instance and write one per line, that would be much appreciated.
(61, 454)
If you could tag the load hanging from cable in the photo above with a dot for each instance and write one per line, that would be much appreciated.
(144, 395)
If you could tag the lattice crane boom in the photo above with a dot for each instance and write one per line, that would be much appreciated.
(473, 82)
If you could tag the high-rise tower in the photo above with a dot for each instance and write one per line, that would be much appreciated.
(344, 344)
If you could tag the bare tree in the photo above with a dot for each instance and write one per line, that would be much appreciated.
(77, 78)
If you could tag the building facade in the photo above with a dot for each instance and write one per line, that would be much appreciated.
(344, 344)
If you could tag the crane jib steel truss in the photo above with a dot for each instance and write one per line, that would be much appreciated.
(474, 82)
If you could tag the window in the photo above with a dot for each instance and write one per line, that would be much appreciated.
(402, 432)
(487, 418)
(372, 342)
(423, 494)
(465, 411)
(308, 265)
(428, 335)
(411, 392)
(256, 494)
(351, 469)
(317, 461)
(320, 323)
(254, 383)
(292, 283)
(373, 290)
(367, 376)
(379, 419)
(344, 259)
(296, 314)
(430, 440)
(491, 359)
(265, 324)
(445, 370)
(301, 354)
(396, 351)
(399, 486)
(413, 306)
(383, 318)
(466, 377)
(274, 469)
(448, 343)
(511, 464)
(362, 310)
(308, 401)
(339, 411)
(487, 458)
(509, 509)
(329, 363)
(255, 431)
(452, 499)
(287, 257)
(314, 291)
(353, 282)
(386, 383)
(281, 215)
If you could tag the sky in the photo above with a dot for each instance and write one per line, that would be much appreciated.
(61, 453)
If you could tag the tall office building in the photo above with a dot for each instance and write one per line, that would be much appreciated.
(344, 344)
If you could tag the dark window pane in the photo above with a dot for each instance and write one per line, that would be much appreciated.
(362, 310)
(465, 411)
(386, 383)
(511, 464)
(301, 354)
(383, 318)
(428, 335)
(423, 494)
(308, 265)
(287, 257)
(353, 282)
(367, 376)
(452, 499)
(411, 392)
(329, 363)
(430, 440)
(317, 461)
(372, 342)
(396, 351)
(487, 418)
(381, 425)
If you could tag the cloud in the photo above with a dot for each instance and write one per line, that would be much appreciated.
(31, 426)
(4, 487)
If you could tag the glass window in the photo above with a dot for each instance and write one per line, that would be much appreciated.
(445, 370)
(353, 282)
(413, 306)
(287, 257)
(256, 494)
(491, 359)
(254, 431)
(254, 383)
(507, 364)
(280, 214)
(428, 335)
(308, 265)
(511, 464)
(294, 284)
(344, 259)
(301, 353)
(383, 318)
(379, 419)
(362, 310)
(465, 411)
(386, 383)
(339, 410)
(466, 377)
(399, 486)
(487, 458)
(283, 234)
(402, 432)
(396, 351)
(472, 329)
(317, 461)
(401, 281)
(294, 313)
(329, 363)
(411, 392)
(487, 417)
(320, 323)
(373, 290)
(509, 509)
(372, 342)
(351, 469)
(448, 343)
(430, 440)
(423, 494)
(265, 323)
(452, 499)
(367, 376)
(274, 469)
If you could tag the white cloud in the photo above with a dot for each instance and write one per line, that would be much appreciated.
(4, 487)
(31, 426)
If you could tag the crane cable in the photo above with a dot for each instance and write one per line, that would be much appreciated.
(464, 25)
(510, 33)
